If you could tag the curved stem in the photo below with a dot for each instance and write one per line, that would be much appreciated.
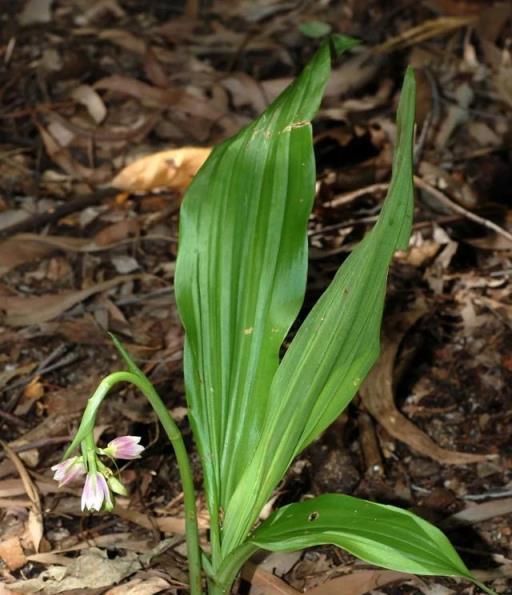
(137, 378)
(187, 482)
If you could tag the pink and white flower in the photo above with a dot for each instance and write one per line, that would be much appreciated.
(124, 447)
(96, 493)
(68, 470)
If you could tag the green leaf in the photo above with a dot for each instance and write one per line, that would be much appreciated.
(128, 360)
(241, 273)
(383, 535)
(335, 347)
(315, 29)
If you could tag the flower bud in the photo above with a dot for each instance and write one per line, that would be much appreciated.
(116, 486)
(124, 447)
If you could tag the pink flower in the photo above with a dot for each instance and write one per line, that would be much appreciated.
(96, 493)
(68, 470)
(124, 447)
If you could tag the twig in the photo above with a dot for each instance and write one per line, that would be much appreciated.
(419, 183)
(448, 202)
(51, 216)
(350, 196)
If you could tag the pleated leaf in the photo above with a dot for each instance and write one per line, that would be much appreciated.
(335, 347)
(383, 535)
(241, 273)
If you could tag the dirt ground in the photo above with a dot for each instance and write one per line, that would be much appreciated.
(88, 245)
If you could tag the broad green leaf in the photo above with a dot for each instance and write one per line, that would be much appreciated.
(383, 535)
(241, 273)
(335, 347)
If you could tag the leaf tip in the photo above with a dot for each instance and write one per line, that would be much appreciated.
(341, 43)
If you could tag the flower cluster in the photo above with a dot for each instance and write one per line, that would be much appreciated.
(100, 481)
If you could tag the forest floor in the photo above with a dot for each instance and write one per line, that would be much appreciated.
(87, 89)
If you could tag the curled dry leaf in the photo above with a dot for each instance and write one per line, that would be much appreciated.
(12, 553)
(377, 395)
(88, 97)
(173, 169)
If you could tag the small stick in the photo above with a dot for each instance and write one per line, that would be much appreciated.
(448, 202)
(77, 204)
(369, 445)
(350, 196)
(435, 193)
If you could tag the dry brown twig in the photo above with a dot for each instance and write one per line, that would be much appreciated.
(435, 193)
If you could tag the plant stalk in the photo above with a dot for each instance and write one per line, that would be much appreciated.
(184, 469)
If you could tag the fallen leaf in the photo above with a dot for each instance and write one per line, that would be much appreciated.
(34, 389)
(378, 398)
(139, 586)
(35, 525)
(91, 570)
(62, 157)
(265, 582)
(173, 169)
(24, 311)
(359, 582)
(36, 11)
(479, 512)
(117, 232)
(88, 97)
(12, 553)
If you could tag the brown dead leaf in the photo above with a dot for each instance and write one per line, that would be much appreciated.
(378, 398)
(117, 232)
(24, 311)
(12, 553)
(34, 389)
(265, 582)
(174, 169)
(35, 525)
(140, 586)
(169, 525)
(62, 157)
(359, 582)
(154, 70)
(476, 513)
(91, 570)
(14, 252)
(36, 11)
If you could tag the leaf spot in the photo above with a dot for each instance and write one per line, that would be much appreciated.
(248, 331)
(293, 125)
(314, 516)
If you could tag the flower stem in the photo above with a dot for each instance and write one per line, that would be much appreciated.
(137, 378)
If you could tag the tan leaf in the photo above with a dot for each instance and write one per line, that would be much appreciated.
(24, 311)
(138, 586)
(174, 169)
(359, 582)
(34, 389)
(266, 583)
(12, 553)
(88, 97)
